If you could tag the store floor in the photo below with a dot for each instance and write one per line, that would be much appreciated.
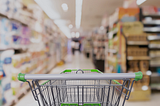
(80, 61)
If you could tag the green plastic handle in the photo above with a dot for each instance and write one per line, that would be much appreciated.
(21, 77)
(138, 76)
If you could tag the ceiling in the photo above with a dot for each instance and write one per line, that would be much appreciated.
(92, 11)
(151, 3)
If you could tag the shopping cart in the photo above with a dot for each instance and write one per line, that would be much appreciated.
(87, 87)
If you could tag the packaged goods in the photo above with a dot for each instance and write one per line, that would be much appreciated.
(6, 81)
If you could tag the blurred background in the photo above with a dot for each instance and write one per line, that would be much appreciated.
(48, 36)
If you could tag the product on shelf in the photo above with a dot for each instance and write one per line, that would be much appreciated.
(144, 65)
(27, 44)
(98, 42)
(150, 10)
(127, 49)
(141, 37)
(133, 66)
(136, 51)
(6, 61)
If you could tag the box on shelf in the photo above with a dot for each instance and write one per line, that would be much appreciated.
(136, 51)
(133, 65)
(144, 65)
(139, 37)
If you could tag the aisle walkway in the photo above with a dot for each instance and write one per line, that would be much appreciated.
(80, 61)
(75, 62)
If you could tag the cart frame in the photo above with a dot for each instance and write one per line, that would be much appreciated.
(81, 89)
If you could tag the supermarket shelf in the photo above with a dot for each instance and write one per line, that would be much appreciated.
(152, 15)
(6, 49)
(17, 20)
(22, 92)
(152, 37)
(138, 58)
(112, 50)
(155, 86)
(111, 33)
(155, 74)
(15, 98)
(155, 56)
(153, 22)
(137, 42)
(154, 65)
(14, 48)
(154, 46)
(151, 29)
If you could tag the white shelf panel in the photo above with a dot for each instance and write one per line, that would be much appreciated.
(137, 42)
(138, 58)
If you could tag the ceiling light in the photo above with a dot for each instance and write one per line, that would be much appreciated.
(64, 7)
(78, 13)
(77, 34)
(70, 26)
(139, 2)
(73, 34)
(101, 27)
(48, 8)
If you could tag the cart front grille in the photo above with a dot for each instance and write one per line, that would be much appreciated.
(80, 92)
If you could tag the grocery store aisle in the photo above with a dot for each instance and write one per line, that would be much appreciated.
(76, 61)
(80, 61)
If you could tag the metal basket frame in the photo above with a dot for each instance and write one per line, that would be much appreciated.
(56, 92)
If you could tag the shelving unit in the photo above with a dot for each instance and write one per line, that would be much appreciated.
(153, 22)
(111, 48)
(128, 49)
(5, 16)
(137, 43)
(138, 58)
(153, 37)
(98, 51)
(26, 48)
(151, 15)
(152, 28)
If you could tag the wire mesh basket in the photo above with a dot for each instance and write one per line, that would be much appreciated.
(87, 87)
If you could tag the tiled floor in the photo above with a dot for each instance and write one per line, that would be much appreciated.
(80, 61)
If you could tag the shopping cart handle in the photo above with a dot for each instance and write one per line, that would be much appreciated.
(106, 76)
(138, 76)
(21, 77)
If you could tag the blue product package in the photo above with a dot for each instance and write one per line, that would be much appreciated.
(14, 26)
(16, 39)
(128, 19)
(4, 30)
(1, 69)
(158, 71)
(8, 60)
(3, 73)
(119, 69)
(158, 10)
